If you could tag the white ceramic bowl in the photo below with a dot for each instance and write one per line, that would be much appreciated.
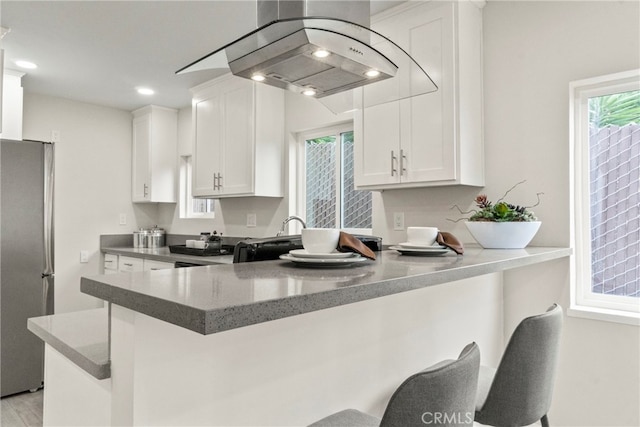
(503, 235)
(422, 235)
(320, 240)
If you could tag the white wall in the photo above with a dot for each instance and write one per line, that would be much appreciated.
(92, 186)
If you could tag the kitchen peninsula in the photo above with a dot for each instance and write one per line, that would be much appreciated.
(269, 343)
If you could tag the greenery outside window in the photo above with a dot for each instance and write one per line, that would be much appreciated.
(605, 136)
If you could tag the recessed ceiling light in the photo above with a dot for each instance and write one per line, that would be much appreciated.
(26, 64)
(321, 53)
(372, 73)
(258, 77)
(309, 92)
(145, 91)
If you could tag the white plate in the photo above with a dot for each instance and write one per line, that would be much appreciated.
(302, 253)
(316, 262)
(420, 252)
(409, 245)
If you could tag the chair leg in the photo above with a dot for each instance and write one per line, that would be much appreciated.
(544, 421)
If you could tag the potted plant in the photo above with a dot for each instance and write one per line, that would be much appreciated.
(502, 225)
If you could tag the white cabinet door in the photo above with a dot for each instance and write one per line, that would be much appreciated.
(207, 159)
(154, 154)
(141, 173)
(378, 149)
(435, 138)
(110, 265)
(150, 264)
(236, 151)
(129, 265)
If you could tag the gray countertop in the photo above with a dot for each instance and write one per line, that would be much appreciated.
(81, 336)
(163, 254)
(213, 299)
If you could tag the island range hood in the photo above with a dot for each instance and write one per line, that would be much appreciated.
(322, 49)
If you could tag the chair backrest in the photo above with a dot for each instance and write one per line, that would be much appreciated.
(442, 395)
(522, 388)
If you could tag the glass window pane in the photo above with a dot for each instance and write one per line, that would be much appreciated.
(356, 204)
(614, 152)
(321, 182)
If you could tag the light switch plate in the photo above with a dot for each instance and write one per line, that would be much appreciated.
(252, 220)
(398, 221)
(123, 219)
(84, 256)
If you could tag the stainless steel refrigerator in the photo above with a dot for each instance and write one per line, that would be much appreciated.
(26, 259)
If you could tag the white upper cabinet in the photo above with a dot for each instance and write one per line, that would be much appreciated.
(238, 128)
(154, 154)
(432, 139)
(12, 104)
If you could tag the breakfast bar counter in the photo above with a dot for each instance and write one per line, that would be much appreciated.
(275, 344)
(208, 300)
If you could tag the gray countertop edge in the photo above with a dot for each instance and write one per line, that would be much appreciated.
(169, 257)
(221, 319)
(98, 366)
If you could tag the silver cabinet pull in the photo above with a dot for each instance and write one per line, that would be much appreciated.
(145, 190)
(219, 181)
(403, 158)
(393, 160)
(215, 183)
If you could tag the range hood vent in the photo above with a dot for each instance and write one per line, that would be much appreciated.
(301, 46)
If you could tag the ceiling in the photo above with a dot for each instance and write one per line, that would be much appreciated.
(100, 52)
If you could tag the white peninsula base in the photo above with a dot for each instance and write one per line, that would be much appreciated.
(295, 370)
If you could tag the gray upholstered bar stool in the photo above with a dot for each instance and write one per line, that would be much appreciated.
(442, 395)
(518, 392)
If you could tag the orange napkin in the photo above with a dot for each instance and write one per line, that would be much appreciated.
(348, 243)
(450, 241)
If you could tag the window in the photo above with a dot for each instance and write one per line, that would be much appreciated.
(190, 207)
(606, 145)
(328, 197)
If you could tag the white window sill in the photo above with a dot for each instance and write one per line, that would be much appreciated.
(604, 314)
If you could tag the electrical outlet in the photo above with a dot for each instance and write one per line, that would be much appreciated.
(123, 219)
(84, 256)
(252, 220)
(398, 221)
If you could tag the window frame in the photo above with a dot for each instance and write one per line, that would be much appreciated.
(301, 195)
(584, 302)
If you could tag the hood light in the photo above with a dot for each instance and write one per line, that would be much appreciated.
(372, 73)
(321, 53)
(258, 78)
(309, 92)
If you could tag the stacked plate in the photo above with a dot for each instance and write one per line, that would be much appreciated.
(333, 259)
(408, 248)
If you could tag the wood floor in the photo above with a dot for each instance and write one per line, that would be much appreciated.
(22, 410)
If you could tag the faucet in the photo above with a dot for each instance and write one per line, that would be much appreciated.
(286, 221)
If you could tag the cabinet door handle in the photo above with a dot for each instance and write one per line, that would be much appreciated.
(403, 158)
(215, 183)
(128, 265)
(145, 190)
(219, 181)
(393, 160)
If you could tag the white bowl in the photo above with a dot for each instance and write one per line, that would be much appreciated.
(503, 235)
(320, 240)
